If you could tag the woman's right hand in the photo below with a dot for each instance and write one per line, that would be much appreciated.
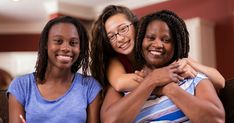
(165, 75)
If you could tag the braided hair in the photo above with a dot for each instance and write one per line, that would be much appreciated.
(178, 29)
(42, 58)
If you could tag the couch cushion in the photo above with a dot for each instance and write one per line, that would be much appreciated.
(227, 98)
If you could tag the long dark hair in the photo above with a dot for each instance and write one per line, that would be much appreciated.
(178, 29)
(102, 51)
(42, 58)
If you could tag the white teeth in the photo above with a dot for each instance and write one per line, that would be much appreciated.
(156, 53)
(124, 45)
(64, 58)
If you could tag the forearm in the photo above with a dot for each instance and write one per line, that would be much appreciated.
(125, 109)
(119, 78)
(196, 109)
(125, 83)
(214, 76)
(118, 110)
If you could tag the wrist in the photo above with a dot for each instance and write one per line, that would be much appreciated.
(169, 88)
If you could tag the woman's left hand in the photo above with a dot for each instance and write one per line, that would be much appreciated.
(140, 75)
(187, 71)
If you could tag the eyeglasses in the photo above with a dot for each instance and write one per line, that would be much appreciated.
(122, 31)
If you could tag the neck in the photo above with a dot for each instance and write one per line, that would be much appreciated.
(58, 76)
(131, 58)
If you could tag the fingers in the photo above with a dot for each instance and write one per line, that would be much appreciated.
(141, 73)
(137, 79)
(182, 62)
(188, 72)
(180, 78)
(184, 69)
(137, 72)
(176, 78)
(139, 76)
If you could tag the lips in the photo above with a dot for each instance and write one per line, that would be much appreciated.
(125, 45)
(64, 58)
(156, 52)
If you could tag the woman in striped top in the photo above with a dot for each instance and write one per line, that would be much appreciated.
(163, 39)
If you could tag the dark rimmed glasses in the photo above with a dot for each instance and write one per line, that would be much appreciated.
(122, 31)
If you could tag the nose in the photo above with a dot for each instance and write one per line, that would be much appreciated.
(65, 47)
(158, 43)
(119, 40)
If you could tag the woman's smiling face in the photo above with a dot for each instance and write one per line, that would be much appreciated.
(63, 45)
(121, 33)
(157, 45)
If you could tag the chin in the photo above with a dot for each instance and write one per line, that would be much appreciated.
(125, 52)
(156, 64)
(129, 51)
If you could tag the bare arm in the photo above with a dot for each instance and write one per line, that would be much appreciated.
(15, 110)
(119, 79)
(94, 110)
(206, 106)
(116, 108)
(123, 109)
(215, 77)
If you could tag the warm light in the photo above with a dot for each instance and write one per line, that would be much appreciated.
(16, 0)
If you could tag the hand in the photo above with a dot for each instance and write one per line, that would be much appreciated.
(140, 75)
(165, 75)
(186, 70)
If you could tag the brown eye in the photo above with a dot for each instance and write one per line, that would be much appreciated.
(111, 37)
(150, 38)
(58, 41)
(166, 39)
(123, 29)
(74, 42)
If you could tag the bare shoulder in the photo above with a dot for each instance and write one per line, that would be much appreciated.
(205, 89)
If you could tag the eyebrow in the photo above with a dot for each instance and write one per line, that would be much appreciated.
(110, 33)
(118, 27)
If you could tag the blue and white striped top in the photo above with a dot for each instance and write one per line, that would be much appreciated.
(163, 109)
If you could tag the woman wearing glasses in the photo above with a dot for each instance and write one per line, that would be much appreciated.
(113, 62)
(113, 38)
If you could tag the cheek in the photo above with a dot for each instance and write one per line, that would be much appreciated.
(144, 46)
(77, 50)
(132, 34)
(114, 47)
(170, 51)
(144, 50)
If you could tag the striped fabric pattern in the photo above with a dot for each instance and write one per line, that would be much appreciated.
(163, 110)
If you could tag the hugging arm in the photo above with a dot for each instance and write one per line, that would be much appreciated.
(206, 106)
(15, 109)
(213, 74)
(117, 108)
(119, 79)
(124, 109)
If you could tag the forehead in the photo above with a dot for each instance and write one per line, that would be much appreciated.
(115, 21)
(158, 25)
(63, 28)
